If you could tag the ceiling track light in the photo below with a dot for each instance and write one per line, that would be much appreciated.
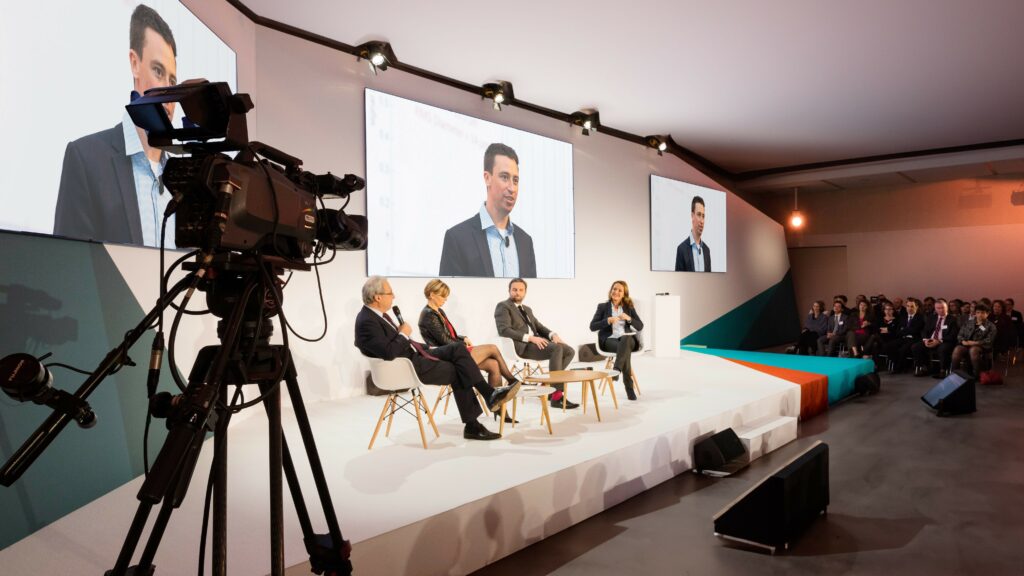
(377, 54)
(499, 92)
(587, 120)
(659, 143)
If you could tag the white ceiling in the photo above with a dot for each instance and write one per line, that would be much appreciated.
(748, 85)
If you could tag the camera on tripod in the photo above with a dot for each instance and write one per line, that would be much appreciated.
(260, 200)
(250, 217)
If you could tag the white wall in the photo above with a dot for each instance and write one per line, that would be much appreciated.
(309, 103)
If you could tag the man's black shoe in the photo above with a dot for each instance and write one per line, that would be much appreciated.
(568, 405)
(502, 395)
(476, 431)
(508, 419)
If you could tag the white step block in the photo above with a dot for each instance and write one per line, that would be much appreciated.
(766, 434)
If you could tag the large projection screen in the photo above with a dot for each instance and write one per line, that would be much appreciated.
(674, 216)
(426, 187)
(65, 74)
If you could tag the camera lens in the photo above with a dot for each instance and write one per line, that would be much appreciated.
(24, 378)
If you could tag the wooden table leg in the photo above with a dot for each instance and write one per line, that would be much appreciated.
(544, 414)
(501, 418)
(515, 405)
(584, 401)
(593, 393)
(611, 385)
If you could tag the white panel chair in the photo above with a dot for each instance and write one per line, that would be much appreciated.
(398, 377)
(521, 367)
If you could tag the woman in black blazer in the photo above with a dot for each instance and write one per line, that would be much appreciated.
(437, 330)
(616, 323)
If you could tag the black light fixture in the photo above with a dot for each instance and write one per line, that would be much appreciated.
(499, 92)
(587, 120)
(378, 54)
(659, 143)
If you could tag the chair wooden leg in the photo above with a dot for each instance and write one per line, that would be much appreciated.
(376, 429)
(636, 383)
(440, 395)
(391, 416)
(419, 417)
(430, 416)
(515, 404)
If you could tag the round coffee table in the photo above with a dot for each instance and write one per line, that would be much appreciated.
(529, 391)
(584, 377)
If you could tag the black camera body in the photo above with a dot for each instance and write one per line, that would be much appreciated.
(260, 201)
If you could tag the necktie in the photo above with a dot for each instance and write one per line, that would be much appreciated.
(419, 348)
(938, 327)
(526, 318)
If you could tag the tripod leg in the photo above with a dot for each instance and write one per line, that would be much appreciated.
(220, 498)
(336, 557)
(272, 402)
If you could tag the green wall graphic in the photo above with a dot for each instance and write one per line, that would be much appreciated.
(68, 298)
(768, 319)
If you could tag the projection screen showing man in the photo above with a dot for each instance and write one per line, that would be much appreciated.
(687, 227)
(436, 213)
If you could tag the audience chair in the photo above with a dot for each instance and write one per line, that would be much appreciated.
(399, 377)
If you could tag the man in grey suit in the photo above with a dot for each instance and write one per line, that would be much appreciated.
(532, 339)
(110, 188)
(692, 254)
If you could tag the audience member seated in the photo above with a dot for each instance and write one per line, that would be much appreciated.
(1005, 332)
(842, 298)
(815, 326)
(954, 307)
(888, 327)
(836, 333)
(1017, 321)
(939, 337)
(437, 330)
(616, 322)
(378, 336)
(532, 339)
(975, 341)
(908, 335)
(928, 308)
(901, 311)
(861, 326)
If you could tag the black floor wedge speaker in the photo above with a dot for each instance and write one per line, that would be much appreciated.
(720, 454)
(954, 395)
(780, 507)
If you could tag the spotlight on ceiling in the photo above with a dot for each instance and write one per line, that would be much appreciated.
(587, 120)
(659, 143)
(500, 92)
(378, 54)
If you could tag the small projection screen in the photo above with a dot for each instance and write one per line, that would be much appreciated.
(687, 227)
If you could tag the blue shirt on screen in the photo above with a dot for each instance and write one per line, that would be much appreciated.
(698, 255)
(149, 190)
(505, 259)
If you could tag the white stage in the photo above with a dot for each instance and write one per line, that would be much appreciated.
(400, 505)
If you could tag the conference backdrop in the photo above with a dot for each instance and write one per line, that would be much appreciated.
(681, 214)
(66, 73)
(426, 187)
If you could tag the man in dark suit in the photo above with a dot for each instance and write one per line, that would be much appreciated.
(532, 339)
(938, 337)
(693, 255)
(488, 244)
(379, 336)
(837, 326)
(110, 187)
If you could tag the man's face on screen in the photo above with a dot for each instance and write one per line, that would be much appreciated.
(502, 184)
(156, 67)
(697, 216)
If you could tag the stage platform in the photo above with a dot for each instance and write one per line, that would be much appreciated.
(454, 507)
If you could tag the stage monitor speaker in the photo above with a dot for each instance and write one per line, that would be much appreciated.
(954, 395)
(776, 510)
(720, 454)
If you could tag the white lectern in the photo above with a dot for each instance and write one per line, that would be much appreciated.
(666, 326)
